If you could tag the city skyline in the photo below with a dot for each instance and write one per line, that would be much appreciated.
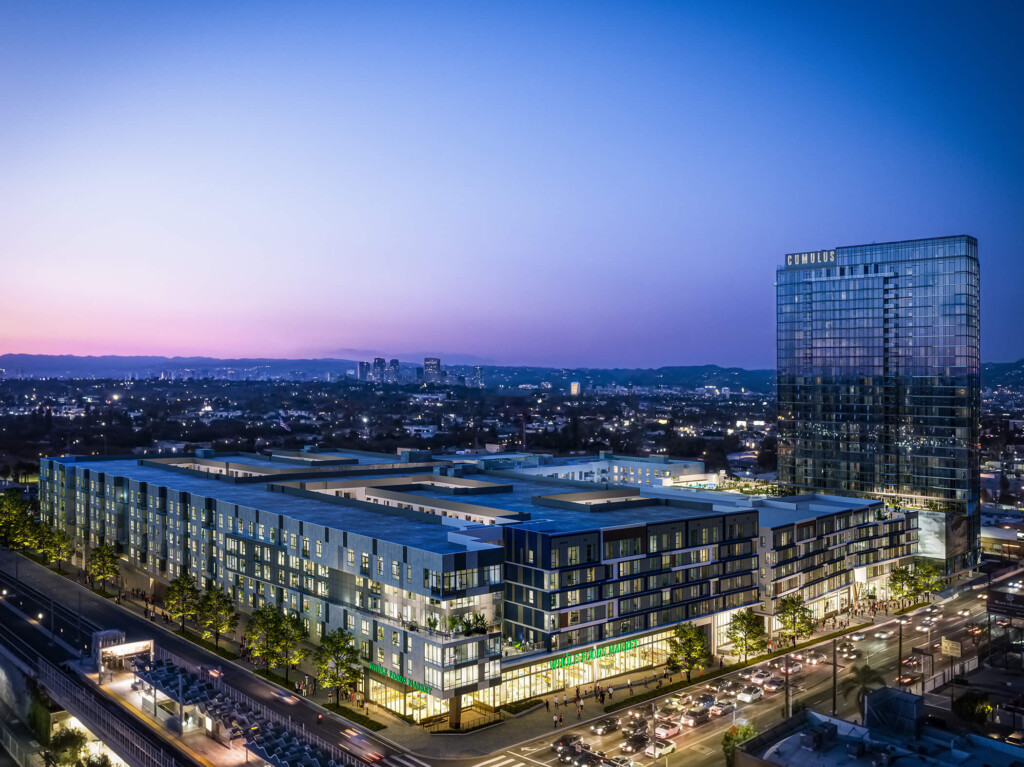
(517, 187)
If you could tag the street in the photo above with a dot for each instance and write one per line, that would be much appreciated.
(812, 686)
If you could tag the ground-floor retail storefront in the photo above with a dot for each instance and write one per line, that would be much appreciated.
(561, 674)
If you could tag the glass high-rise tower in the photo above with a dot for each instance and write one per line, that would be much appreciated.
(879, 369)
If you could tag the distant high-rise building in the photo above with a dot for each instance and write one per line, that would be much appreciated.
(479, 379)
(419, 374)
(364, 371)
(574, 388)
(432, 370)
(879, 382)
(379, 369)
(394, 371)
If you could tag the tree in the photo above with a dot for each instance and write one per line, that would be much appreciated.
(336, 661)
(276, 637)
(103, 564)
(66, 746)
(973, 707)
(862, 680)
(902, 583)
(62, 546)
(747, 634)
(182, 599)
(16, 527)
(795, 617)
(216, 614)
(927, 577)
(688, 650)
(733, 737)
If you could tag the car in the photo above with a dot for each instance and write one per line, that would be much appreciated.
(905, 680)
(750, 694)
(904, 619)
(704, 700)
(790, 668)
(666, 728)
(719, 685)
(885, 634)
(566, 741)
(965, 613)
(605, 726)
(761, 677)
(814, 657)
(636, 744)
(285, 697)
(670, 711)
(723, 706)
(645, 711)
(933, 610)
(912, 661)
(746, 673)
(660, 748)
(852, 654)
(1015, 738)
(731, 687)
(923, 627)
(846, 646)
(633, 727)
(774, 684)
(695, 716)
(798, 655)
(1002, 622)
(588, 758)
(616, 761)
(356, 743)
(857, 636)
(681, 699)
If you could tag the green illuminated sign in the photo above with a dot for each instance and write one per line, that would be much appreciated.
(597, 652)
(398, 677)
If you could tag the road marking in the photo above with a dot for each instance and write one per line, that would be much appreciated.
(408, 759)
(499, 758)
(543, 764)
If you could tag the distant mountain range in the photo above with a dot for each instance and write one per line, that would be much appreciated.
(689, 376)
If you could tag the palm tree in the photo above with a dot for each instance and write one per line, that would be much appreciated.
(863, 679)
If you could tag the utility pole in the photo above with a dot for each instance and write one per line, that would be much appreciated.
(789, 693)
(950, 682)
(835, 676)
(899, 657)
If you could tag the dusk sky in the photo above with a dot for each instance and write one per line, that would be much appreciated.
(540, 183)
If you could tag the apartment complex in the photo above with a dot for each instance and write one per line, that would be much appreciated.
(462, 587)
(879, 382)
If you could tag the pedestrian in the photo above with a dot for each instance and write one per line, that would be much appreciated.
(554, 721)
(565, 700)
(579, 712)
(547, 705)
(629, 684)
(560, 722)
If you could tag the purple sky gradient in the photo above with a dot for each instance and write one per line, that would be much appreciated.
(536, 183)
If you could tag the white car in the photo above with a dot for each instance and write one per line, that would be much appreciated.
(790, 668)
(761, 677)
(750, 694)
(660, 748)
(856, 636)
(924, 627)
(965, 613)
(885, 634)
(667, 728)
(814, 657)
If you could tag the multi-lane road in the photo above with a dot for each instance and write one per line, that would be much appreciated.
(812, 686)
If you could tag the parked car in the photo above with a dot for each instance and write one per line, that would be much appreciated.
(723, 706)
(666, 728)
(814, 657)
(750, 694)
(761, 677)
(885, 634)
(636, 744)
(605, 726)
(695, 716)
(857, 636)
(775, 684)
(660, 748)
(566, 741)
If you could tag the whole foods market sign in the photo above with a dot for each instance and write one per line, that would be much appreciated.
(398, 677)
(598, 652)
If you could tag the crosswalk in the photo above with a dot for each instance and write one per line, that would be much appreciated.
(403, 760)
(501, 761)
